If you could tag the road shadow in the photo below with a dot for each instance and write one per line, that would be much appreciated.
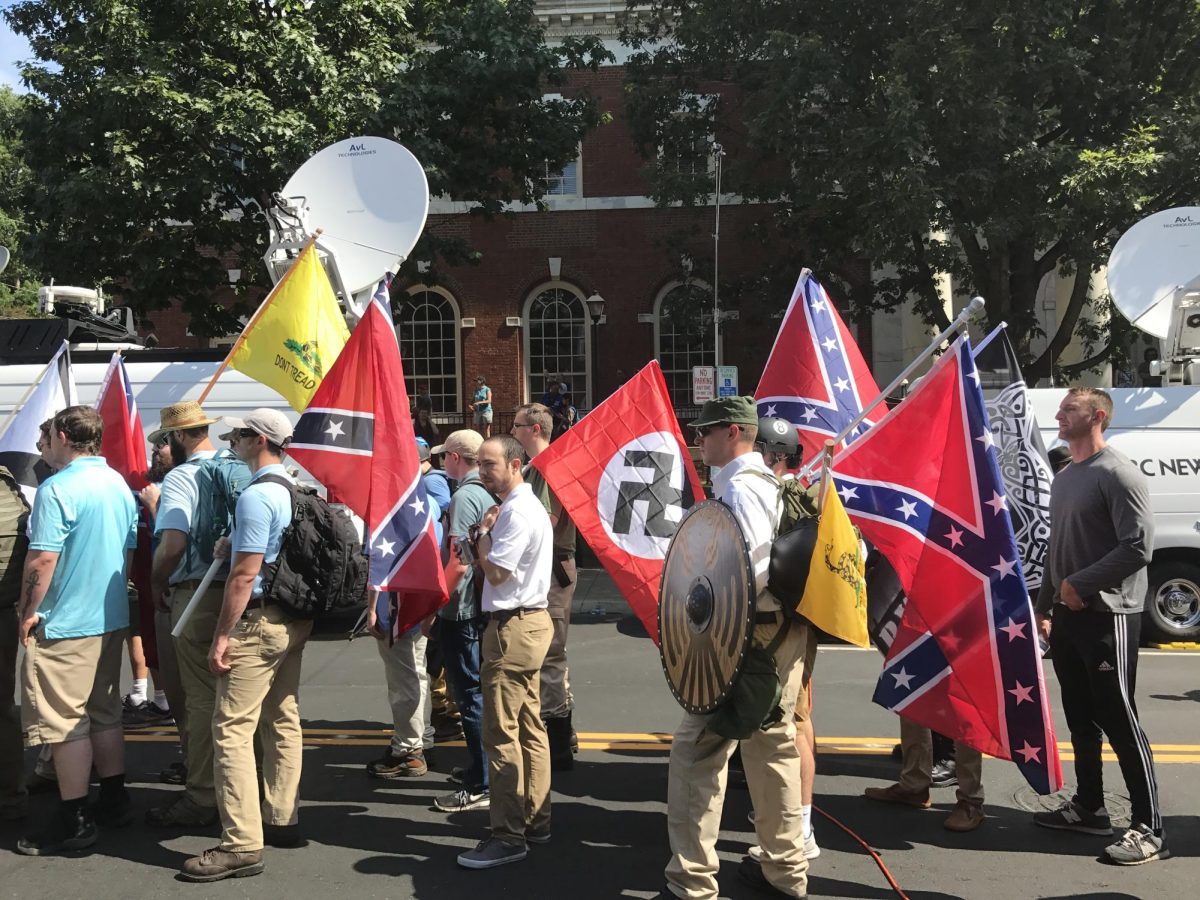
(1193, 696)
(631, 626)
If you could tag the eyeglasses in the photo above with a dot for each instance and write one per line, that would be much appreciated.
(706, 430)
(523, 424)
(245, 433)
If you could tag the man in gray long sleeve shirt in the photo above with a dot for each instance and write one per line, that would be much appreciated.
(1089, 607)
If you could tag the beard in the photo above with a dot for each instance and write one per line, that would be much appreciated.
(159, 469)
(179, 454)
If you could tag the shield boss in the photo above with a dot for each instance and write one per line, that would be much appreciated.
(705, 607)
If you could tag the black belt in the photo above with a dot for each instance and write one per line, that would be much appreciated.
(503, 615)
(255, 603)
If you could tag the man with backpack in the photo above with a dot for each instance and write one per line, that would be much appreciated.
(255, 656)
(725, 432)
(193, 510)
(460, 621)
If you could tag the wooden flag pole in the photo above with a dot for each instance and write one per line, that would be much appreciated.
(826, 475)
(237, 345)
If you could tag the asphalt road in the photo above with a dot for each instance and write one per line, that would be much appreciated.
(382, 839)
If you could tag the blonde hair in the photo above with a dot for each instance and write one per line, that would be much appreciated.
(539, 414)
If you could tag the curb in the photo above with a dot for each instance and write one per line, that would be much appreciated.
(1177, 645)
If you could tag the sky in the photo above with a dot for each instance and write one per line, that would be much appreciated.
(13, 47)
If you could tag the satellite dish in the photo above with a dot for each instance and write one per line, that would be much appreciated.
(1151, 260)
(370, 197)
(4, 257)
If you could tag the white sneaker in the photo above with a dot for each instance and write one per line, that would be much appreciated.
(1138, 845)
(811, 850)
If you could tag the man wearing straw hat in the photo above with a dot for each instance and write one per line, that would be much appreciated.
(177, 572)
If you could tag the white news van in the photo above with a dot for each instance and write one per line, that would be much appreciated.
(1159, 429)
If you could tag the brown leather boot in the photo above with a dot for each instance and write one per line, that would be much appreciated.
(893, 793)
(965, 816)
(217, 864)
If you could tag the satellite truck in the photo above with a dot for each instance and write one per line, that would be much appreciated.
(365, 198)
(1154, 279)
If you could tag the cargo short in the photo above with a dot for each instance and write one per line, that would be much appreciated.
(71, 687)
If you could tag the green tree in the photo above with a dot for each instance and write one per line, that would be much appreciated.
(997, 142)
(162, 129)
(18, 286)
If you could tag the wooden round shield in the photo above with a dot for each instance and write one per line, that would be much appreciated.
(705, 607)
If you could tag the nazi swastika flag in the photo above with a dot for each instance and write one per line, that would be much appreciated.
(625, 476)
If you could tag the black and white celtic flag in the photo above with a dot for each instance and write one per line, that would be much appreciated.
(1022, 455)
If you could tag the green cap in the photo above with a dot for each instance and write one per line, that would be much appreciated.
(728, 410)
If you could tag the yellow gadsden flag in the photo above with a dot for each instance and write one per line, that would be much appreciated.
(835, 595)
(296, 335)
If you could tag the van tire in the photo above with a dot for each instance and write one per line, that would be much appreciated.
(1172, 603)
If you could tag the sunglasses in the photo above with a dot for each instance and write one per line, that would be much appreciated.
(245, 433)
(706, 430)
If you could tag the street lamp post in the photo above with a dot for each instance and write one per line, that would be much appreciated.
(595, 307)
(718, 153)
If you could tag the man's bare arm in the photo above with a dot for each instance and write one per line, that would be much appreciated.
(39, 569)
(172, 544)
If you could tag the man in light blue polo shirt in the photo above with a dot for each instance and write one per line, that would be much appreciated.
(74, 615)
(255, 654)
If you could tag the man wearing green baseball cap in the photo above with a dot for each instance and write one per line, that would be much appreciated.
(725, 433)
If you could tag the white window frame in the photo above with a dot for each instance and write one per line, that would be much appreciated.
(578, 192)
(456, 311)
(659, 299)
(705, 101)
(531, 390)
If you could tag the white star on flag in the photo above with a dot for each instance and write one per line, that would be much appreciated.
(1022, 693)
(842, 384)
(809, 414)
(819, 306)
(335, 429)
(908, 508)
(954, 536)
(1005, 567)
(903, 679)
(974, 375)
(986, 439)
(1014, 630)
(417, 506)
(848, 493)
(771, 410)
(829, 344)
(1031, 754)
(997, 503)
(385, 547)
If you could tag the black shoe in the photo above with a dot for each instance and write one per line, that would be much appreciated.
(139, 715)
(175, 773)
(286, 837)
(944, 774)
(66, 832)
(898, 753)
(751, 873)
(1073, 817)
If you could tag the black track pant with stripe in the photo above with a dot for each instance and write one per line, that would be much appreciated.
(1095, 658)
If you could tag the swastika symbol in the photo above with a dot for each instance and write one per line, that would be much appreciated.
(659, 495)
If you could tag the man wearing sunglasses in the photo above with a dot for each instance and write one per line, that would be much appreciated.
(725, 432)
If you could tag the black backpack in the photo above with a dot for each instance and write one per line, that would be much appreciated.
(322, 565)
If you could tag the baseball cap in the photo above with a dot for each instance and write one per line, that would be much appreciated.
(422, 449)
(465, 442)
(270, 423)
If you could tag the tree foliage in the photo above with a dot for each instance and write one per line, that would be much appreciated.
(996, 142)
(159, 131)
(18, 287)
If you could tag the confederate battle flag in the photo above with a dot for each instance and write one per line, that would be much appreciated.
(924, 487)
(816, 377)
(357, 439)
(625, 476)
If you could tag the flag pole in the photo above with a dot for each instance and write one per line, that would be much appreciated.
(976, 304)
(237, 345)
(826, 474)
(978, 348)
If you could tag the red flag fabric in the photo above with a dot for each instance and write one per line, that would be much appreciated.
(924, 486)
(625, 476)
(816, 377)
(123, 447)
(356, 437)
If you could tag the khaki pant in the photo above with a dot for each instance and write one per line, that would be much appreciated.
(555, 684)
(265, 650)
(199, 685)
(916, 745)
(696, 789)
(12, 752)
(168, 676)
(408, 692)
(71, 687)
(514, 736)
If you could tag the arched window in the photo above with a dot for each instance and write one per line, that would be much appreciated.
(683, 335)
(557, 342)
(427, 328)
